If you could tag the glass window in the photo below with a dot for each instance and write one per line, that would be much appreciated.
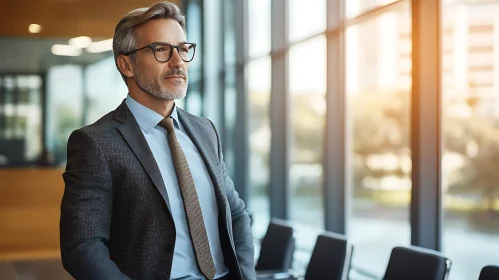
(306, 18)
(105, 89)
(29, 114)
(259, 133)
(230, 91)
(64, 107)
(354, 8)
(259, 27)
(230, 99)
(258, 80)
(470, 117)
(20, 119)
(194, 29)
(229, 33)
(8, 104)
(213, 89)
(307, 86)
(378, 82)
(194, 100)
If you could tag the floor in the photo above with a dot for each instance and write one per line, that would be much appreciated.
(33, 270)
(30, 202)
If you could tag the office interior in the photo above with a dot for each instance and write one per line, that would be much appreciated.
(372, 121)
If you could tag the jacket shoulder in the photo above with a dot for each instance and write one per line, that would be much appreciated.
(103, 126)
(205, 123)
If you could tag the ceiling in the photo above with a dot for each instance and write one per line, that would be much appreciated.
(33, 55)
(22, 52)
(66, 18)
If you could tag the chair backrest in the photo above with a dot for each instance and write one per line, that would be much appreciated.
(414, 263)
(330, 259)
(277, 247)
(490, 272)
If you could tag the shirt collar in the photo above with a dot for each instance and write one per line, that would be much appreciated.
(147, 118)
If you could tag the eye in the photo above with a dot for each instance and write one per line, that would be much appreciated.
(160, 49)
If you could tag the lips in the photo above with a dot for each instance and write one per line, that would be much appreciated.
(175, 77)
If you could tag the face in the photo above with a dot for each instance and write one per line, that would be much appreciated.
(165, 80)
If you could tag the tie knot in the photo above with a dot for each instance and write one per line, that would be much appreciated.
(167, 123)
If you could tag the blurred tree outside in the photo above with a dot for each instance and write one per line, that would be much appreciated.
(381, 124)
(259, 131)
(67, 122)
(308, 126)
(477, 139)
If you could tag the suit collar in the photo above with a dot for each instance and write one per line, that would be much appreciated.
(122, 112)
(207, 146)
(197, 133)
(132, 134)
(147, 118)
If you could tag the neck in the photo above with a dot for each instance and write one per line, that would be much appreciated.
(161, 106)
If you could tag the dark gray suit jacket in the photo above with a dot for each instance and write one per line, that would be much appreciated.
(115, 222)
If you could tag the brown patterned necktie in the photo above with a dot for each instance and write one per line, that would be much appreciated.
(191, 203)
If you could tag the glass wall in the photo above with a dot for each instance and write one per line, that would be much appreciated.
(64, 107)
(307, 89)
(378, 84)
(258, 27)
(259, 133)
(20, 119)
(470, 127)
(307, 108)
(374, 40)
(306, 19)
(354, 8)
(194, 18)
(228, 76)
(79, 95)
(105, 89)
(39, 110)
(259, 84)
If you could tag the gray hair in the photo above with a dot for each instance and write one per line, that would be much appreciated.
(125, 41)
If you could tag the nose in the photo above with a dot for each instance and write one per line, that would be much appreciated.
(176, 61)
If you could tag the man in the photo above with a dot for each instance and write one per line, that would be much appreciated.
(147, 193)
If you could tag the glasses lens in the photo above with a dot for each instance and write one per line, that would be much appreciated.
(162, 52)
(186, 51)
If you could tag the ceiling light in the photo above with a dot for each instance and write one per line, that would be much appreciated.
(65, 50)
(34, 28)
(101, 46)
(80, 42)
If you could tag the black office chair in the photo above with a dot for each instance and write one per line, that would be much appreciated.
(330, 259)
(490, 272)
(416, 263)
(277, 248)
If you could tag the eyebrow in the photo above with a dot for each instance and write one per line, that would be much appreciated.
(183, 42)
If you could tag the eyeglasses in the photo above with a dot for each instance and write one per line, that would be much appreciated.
(164, 51)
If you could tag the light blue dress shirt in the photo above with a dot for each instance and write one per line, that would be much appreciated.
(184, 264)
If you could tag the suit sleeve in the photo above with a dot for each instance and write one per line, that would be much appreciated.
(241, 228)
(86, 210)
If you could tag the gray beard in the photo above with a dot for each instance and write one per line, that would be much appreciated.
(154, 88)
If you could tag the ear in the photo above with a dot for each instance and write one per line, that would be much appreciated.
(125, 65)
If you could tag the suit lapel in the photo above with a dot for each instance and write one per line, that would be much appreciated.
(196, 133)
(135, 139)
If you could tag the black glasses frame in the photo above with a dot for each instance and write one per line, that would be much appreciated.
(172, 47)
